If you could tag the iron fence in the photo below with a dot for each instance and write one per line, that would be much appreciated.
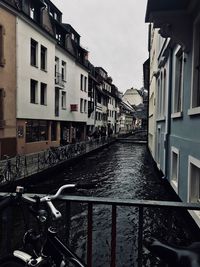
(90, 203)
(23, 166)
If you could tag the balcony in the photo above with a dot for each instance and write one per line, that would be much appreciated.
(59, 80)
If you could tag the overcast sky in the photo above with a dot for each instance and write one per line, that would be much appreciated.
(115, 34)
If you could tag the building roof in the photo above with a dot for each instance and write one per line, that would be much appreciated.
(164, 5)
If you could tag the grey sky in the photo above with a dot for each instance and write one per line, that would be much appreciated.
(115, 34)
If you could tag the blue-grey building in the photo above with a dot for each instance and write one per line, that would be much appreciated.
(174, 98)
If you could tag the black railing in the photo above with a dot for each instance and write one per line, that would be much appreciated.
(18, 167)
(115, 204)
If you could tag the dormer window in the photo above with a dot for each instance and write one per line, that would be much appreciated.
(32, 12)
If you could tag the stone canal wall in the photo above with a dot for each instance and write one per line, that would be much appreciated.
(24, 166)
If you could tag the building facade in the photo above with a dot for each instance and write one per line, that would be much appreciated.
(7, 83)
(176, 95)
(50, 93)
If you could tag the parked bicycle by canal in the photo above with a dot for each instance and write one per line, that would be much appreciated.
(11, 169)
(41, 247)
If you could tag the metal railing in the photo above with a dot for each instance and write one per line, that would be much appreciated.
(91, 203)
(23, 166)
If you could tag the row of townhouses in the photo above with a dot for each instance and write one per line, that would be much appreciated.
(174, 94)
(50, 94)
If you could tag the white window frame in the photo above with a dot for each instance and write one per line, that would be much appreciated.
(177, 54)
(64, 70)
(175, 182)
(36, 91)
(85, 106)
(45, 94)
(196, 163)
(158, 146)
(195, 109)
(63, 99)
(81, 105)
(45, 58)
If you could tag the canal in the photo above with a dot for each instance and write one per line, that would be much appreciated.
(122, 171)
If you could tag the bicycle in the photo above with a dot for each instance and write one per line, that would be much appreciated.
(175, 256)
(45, 248)
(6, 173)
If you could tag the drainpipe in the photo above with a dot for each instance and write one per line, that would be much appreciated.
(168, 117)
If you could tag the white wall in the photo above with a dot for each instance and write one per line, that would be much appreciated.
(72, 88)
(25, 72)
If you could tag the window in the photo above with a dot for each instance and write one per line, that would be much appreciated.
(158, 144)
(43, 94)
(85, 84)
(174, 168)
(164, 93)
(33, 91)
(63, 100)
(2, 61)
(36, 130)
(43, 58)
(195, 96)
(178, 85)
(32, 12)
(81, 82)
(1, 104)
(56, 66)
(53, 131)
(34, 49)
(81, 105)
(85, 106)
(159, 96)
(63, 73)
(194, 180)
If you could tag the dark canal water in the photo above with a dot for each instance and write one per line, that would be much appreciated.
(122, 171)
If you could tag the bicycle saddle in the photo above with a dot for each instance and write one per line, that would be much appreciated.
(175, 256)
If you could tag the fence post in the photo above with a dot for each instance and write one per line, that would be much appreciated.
(140, 235)
(113, 237)
(89, 240)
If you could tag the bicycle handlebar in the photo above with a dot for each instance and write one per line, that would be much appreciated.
(8, 200)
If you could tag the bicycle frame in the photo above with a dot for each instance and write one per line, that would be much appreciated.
(60, 252)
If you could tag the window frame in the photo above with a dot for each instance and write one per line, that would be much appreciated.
(175, 182)
(195, 107)
(81, 105)
(43, 58)
(195, 162)
(43, 86)
(35, 93)
(81, 82)
(64, 70)
(34, 58)
(63, 100)
(178, 81)
(2, 33)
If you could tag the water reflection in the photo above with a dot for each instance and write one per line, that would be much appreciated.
(120, 171)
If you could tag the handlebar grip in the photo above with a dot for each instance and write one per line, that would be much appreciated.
(7, 201)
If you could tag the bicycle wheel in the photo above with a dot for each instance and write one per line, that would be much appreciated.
(11, 261)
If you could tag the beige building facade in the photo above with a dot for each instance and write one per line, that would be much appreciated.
(7, 83)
